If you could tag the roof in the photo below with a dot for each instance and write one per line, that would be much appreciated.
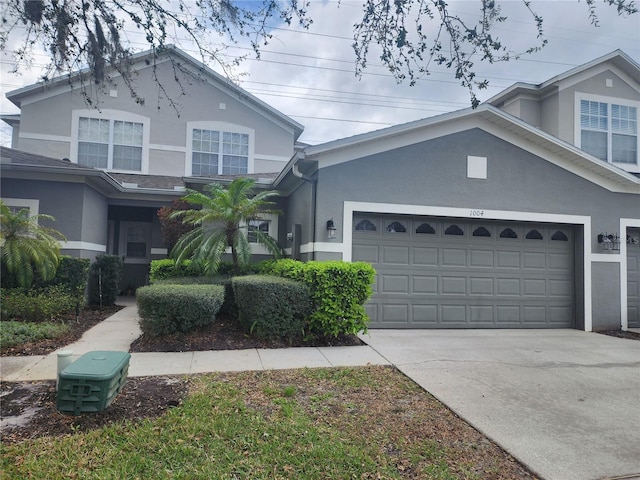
(18, 157)
(617, 58)
(142, 60)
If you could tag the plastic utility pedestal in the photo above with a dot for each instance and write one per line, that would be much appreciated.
(92, 382)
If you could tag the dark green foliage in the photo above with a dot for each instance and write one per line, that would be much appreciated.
(105, 280)
(339, 291)
(73, 274)
(228, 307)
(271, 306)
(168, 309)
(46, 304)
(167, 268)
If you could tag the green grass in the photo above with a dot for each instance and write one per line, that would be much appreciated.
(256, 425)
(16, 333)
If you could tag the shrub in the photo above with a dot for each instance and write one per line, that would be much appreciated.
(167, 268)
(105, 280)
(167, 309)
(228, 307)
(338, 289)
(36, 305)
(73, 275)
(17, 333)
(270, 306)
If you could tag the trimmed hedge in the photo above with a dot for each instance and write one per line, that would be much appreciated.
(228, 307)
(339, 291)
(166, 269)
(167, 309)
(104, 286)
(271, 306)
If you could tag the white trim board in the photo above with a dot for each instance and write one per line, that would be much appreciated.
(473, 212)
(33, 204)
(73, 245)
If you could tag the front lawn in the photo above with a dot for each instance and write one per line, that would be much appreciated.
(338, 423)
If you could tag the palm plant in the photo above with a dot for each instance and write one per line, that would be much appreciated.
(27, 248)
(222, 221)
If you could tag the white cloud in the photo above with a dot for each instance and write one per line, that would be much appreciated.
(310, 75)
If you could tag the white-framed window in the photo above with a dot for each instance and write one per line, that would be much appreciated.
(110, 140)
(607, 128)
(255, 226)
(135, 241)
(218, 148)
(17, 204)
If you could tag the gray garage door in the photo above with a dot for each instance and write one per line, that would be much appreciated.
(633, 277)
(457, 273)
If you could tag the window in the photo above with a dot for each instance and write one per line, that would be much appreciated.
(396, 227)
(426, 228)
(365, 226)
(110, 144)
(219, 153)
(135, 241)
(453, 230)
(609, 131)
(257, 226)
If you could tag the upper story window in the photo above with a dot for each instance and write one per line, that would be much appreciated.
(110, 140)
(609, 131)
(218, 148)
(219, 153)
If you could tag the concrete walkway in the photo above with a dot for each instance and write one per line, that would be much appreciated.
(564, 402)
(121, 329)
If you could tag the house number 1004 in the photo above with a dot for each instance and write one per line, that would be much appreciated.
(477, 213)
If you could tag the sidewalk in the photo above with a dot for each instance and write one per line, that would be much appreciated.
(121, 329)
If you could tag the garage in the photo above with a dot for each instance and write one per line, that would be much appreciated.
(437, 272)
(633, 277)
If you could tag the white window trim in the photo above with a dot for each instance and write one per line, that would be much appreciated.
(577, 135)
(115, 115)
(32, 204)
(258, 248)
(219, 127)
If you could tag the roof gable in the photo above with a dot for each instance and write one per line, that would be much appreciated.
(621, 63)
(490, 119)
(149, 59)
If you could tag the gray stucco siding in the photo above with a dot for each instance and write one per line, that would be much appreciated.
(62, 200)
(434, 173)
(605, 294)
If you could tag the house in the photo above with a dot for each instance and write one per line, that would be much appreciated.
(521, 213)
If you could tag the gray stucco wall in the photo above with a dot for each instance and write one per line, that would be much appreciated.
(434, 173)
(199, 101)
(605, 295)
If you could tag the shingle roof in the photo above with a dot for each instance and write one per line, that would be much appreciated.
(18, 157)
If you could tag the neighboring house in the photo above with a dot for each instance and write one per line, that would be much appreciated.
(506, 216)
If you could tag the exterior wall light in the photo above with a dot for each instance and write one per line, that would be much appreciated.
(609, 241)
(331, 230)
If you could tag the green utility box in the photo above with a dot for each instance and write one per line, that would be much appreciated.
(92, 382)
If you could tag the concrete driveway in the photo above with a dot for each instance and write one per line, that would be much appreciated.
(566, 403)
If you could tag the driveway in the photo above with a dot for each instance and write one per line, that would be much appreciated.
(564, 402)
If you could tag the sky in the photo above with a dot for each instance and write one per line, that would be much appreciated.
(309, 74)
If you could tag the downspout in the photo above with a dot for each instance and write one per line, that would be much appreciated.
(311, 180)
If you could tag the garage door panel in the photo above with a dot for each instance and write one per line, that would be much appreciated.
(453, 257)
(452, 314)
(481, 258)
(425, 285)
(534, 287)
(508, 286)
(479, 314)
(425, 314)
(431, 279)
(508, 259)
(366, 253)
(534, 260)
(425, 256)
(394, 284)
(560, 289)
(481, 286)
(453, 285)
(395, 255)
(395, 313)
